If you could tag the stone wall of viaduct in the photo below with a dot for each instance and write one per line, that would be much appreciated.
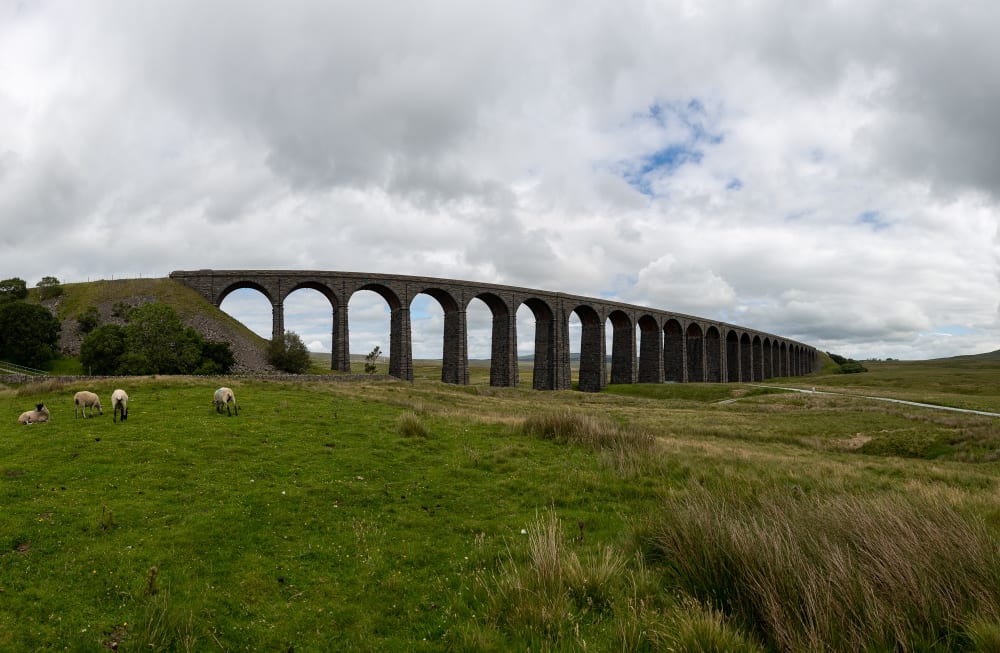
(671, 346)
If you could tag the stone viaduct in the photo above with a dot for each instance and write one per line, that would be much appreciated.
(671, 347)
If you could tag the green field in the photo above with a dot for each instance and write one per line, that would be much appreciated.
(392, 516)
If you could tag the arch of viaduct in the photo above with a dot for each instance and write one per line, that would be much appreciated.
(671, 347)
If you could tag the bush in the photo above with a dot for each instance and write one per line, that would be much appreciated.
(216, 358)
(289, 354)
(88, 320)
(154, 341)
(851, 367)
(371, 360)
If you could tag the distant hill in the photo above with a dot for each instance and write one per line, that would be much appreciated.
(986, 358)
(212, 323)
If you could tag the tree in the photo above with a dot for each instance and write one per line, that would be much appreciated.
(49, 288)
(371, 359)
(216, 358)
(29, 334)
(157, 342)
(13, 289)
(289, 353)
(102, 350)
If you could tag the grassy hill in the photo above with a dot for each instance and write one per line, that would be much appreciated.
(192, 308)
(380, 515)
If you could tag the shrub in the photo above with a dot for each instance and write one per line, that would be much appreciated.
(88, 320)
(289, 354)
(851, 367)
(216, 358)
(371, 360)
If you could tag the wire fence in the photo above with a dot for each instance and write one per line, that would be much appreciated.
(13, 368)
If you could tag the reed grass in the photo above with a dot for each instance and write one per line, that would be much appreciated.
(835, 573)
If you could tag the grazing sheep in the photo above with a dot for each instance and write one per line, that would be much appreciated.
(119, 402)
(83, 400)
(37, 416)
(225, 397)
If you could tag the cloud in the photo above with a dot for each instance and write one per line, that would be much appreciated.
(822, 171)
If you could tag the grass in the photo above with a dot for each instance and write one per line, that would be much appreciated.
(809, 573)
(380, 515)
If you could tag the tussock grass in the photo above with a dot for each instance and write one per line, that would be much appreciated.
(627, 450)
(410, 426)
(549, 593)
(841, 573)
(698, 628)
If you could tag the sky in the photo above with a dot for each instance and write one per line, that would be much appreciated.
(828, 171)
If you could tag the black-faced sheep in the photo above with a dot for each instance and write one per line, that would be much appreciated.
(225, 397)
(37, 416)
(83, 400)
(119, 402)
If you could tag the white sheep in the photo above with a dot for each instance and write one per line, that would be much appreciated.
(37, 416)
(85, 399)
(225, 397)
(119, 402)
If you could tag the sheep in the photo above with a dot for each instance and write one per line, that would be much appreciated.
(119, 402)
(225, 397)
(84, 399)
(37, 416)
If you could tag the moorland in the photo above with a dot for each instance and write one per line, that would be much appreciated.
(383, 515)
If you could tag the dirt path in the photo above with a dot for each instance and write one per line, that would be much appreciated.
(895, 401)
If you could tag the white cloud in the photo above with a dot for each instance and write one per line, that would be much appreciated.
(520, 143)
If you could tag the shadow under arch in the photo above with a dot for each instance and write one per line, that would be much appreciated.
(650, 350)
(732, 356)
(695, 353)
(622, 347)
(758, 359)
(713, 355)
(543, 374)
(592, 365)
(673, 351)
(768, 349)
(746, 359)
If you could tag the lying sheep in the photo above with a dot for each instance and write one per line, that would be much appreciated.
(37, 416)
(119, 402)
(83, 400)
(224, 397)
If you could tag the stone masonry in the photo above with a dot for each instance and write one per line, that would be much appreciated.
(673, 347)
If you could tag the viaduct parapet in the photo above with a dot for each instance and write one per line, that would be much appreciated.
(671, 347)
